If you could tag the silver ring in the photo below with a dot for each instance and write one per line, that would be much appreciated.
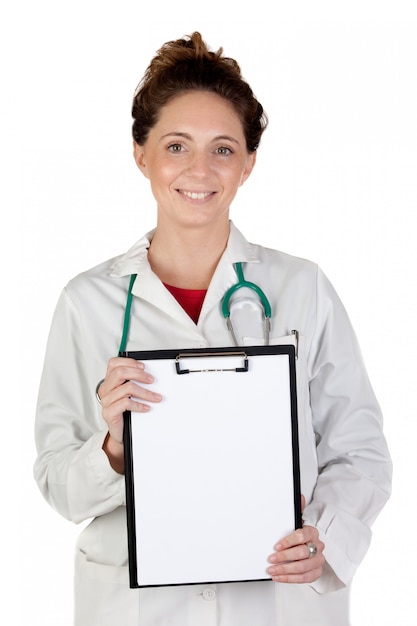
(312, 550)
(100, 382)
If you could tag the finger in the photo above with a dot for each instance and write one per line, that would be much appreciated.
(295, 545)
(297, 553)
(298, 570)
(119, 375)
(120, 361)
(113, 415)
(300, 577)
(299, 536)
(130, 390)
(115, 410)
(120, 371)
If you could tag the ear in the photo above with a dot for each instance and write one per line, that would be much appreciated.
(249, 167)
(139, 156)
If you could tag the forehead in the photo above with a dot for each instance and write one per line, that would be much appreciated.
(201, 109)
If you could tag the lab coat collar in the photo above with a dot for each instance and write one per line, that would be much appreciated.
(135, 260)
(239, 249)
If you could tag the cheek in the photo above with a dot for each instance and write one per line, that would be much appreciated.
(231, 176)
(168, 170)
(161, 175)
(240, 177)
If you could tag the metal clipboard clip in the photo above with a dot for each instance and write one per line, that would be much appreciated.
(190, 355)
(296, 334)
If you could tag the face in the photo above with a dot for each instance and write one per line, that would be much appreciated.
(195, 158)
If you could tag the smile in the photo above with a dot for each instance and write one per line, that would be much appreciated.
(194, 195)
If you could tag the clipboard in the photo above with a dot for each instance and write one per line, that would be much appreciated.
(212, 472)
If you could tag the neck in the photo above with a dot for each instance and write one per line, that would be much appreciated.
(186, 259)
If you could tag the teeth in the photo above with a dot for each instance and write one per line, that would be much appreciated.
(196, 196)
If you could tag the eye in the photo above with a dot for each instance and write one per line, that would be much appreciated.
(224, 151)
(175, 147)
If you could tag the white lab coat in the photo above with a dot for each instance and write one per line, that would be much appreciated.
(344, 462)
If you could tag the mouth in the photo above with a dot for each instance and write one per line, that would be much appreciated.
(196, 195)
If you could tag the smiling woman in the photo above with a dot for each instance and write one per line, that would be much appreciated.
(197, 126)
(195, 158)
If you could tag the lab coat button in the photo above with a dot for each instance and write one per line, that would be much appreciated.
(209, 594)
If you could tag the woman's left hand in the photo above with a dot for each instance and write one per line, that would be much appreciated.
(292, 561)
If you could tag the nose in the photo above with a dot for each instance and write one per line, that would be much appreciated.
(199, 165)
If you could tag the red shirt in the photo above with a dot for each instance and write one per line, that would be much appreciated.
(191, 300)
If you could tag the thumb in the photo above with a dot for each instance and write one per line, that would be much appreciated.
(303, 503)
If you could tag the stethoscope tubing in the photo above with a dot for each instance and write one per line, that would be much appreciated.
(241, 283)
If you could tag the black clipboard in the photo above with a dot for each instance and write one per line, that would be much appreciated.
(212, 472)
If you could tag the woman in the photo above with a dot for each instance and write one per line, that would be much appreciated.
(197, 126)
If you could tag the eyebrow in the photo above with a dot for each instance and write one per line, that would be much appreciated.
(187, 136)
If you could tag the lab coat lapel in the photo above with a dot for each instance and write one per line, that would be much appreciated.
(237, 249)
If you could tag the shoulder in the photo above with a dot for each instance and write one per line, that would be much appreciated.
(284, 269)
(97, 288)
(276, 260)
(101, 272)
(114, 273)
(284, 259)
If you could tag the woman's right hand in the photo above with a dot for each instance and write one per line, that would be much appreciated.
(116, 394)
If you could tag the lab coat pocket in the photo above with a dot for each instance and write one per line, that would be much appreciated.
(286, 340)
(102, 594)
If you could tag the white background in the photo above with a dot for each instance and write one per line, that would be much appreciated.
(335, 182)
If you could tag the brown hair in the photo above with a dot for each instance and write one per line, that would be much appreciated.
(186, 65)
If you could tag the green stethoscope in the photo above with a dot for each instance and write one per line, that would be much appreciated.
(241, 283)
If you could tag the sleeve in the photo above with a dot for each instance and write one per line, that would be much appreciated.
(71, 469)
(354, 464)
